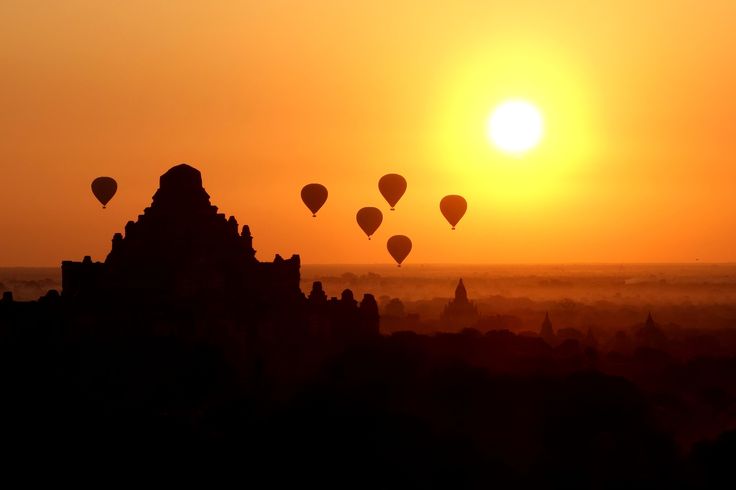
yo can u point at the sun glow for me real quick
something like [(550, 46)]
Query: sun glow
[(515, 127)]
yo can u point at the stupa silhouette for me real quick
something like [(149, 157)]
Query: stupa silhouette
[(460, 312)]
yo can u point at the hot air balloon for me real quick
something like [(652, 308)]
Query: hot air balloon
[(104, 188), (369, 219), (392, 187), (453, 208), (399, 247), (314, 196)]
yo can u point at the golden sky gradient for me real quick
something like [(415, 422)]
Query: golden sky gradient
[(638, 162)]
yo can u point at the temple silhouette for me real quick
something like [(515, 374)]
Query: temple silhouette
[(546, 331), (460, 312), (181, 253), (181, 247)]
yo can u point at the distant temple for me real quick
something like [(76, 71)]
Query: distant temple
[(181, 251), (546, 332), (650, 334), (343, 320), (459, 312)]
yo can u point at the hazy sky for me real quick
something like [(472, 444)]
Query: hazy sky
[(638, 162)]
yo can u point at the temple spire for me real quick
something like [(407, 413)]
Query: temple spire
[(461, 294), (650, 321), (546, 332)]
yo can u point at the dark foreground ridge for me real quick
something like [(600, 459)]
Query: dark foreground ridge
[(182, 352)]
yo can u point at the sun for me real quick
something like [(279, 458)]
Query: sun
[(515, 127)]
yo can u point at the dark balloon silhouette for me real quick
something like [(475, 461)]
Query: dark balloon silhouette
[(399, 247), (453, 208), (104, 189), (369, 219), (314, 196), (392, 187)]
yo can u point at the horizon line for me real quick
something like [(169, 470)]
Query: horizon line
[(457, 264)]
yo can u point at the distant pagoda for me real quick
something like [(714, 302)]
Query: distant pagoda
[(460, 312), (546, 331)]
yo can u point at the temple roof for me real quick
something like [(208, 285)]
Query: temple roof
[(181, 229)]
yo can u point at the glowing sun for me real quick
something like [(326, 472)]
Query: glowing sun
[(515, 127)]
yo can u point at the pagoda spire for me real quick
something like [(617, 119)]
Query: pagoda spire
[(461, 294), (650, 321), (546, 332)]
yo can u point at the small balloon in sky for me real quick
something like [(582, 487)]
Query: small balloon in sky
[(399, 247), (314, 196), (369, 219), (453, 208), (392, 187), (104, 189)]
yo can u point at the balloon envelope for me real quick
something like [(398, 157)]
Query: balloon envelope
[(369, 219), (104, 189), (399, 247), (392, 187), (453, 208), (314, 196)]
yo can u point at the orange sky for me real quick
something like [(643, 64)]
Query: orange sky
[(638, 162)]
